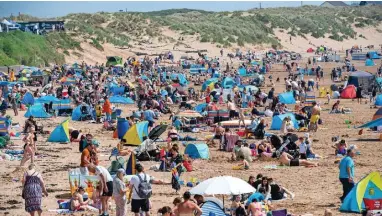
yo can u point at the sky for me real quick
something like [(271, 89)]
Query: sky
[(45, 9)]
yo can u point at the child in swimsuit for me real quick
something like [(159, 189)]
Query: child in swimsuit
[(96, 197), (75, 202)]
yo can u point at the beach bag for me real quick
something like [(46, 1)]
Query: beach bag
[(144, 190)]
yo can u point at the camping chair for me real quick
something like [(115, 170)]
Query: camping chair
[(115, 165), (114, 152)]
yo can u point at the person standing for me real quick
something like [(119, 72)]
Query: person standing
[(85, 159), (346, 175), (359, 94), (119, 193), (140, 187), (33, 188), (107, 109), (106, 182)]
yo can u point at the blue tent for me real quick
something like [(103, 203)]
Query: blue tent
[(370, 124), (197, 151), (28, 99), (228, 83), (369, 62), (77, 114), (47, 99), (211, 208), (200, 107), (182, 79), (287, 98), (61, 133), (37, 111), (370, 187), (374, 55), (378, 100), (117, 90), (208, 82), (278, 120), (242, 72), (121, 100)]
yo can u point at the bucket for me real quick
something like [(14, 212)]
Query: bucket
[(122, 127)]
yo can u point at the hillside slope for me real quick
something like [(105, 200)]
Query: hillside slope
[(185, 29)]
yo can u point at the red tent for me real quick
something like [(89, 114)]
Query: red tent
[(310, 50), (349, 92)]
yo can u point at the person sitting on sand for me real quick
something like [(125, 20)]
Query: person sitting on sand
[(237, 208), (173, 134), (266, 186), (75, 135), (340, 147), (121, 150), (336, 107), (288, 160), (259, 131), (76, 204), (278, 192)]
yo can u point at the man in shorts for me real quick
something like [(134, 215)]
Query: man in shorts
[(288, 160), (106, 182), (140, 203)]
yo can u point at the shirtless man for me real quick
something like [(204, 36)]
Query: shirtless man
[(287, 160), (187, 207), (316, 110)]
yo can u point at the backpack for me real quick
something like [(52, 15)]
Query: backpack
[(144, 190)]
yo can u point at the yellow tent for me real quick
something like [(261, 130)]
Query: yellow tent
[(135, 134)]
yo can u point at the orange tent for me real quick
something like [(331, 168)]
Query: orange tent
[(349, 92)]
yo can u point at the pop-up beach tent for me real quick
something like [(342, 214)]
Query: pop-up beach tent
[(37, 111), (197, 151), (136, 133), (369, 187), (113, 60), (349, 92), (61, 133), (287, 98), (277, 121)]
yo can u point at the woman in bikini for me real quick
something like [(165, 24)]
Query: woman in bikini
[(28, 153), (255, 208)]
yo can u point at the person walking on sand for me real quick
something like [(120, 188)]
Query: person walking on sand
[(33, 188), (346, 174), (187, 207)]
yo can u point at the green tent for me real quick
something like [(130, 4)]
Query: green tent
[(113, 60)]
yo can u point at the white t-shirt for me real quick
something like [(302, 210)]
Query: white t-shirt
[(134, 181), (102, 170), (303, 148)]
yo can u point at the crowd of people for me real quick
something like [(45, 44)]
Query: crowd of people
[(161, 91)]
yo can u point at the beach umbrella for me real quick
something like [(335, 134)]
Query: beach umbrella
[(117, 99), (222, 185), (189, 113)]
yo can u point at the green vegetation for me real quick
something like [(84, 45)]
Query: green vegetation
[(27, 49), (224, 29)]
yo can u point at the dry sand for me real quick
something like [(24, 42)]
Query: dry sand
[(316, 189)]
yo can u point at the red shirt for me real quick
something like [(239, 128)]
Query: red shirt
[(208, 99)]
